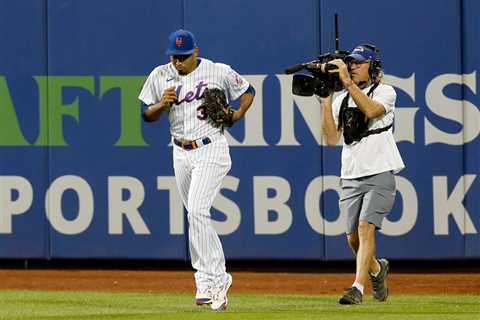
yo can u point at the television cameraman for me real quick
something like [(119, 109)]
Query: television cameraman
[(364, 114)]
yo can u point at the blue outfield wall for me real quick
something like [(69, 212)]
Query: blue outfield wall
[(81, 176)]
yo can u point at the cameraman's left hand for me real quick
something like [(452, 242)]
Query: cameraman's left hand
[(342, 72)]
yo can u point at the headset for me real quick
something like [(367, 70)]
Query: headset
[(375, 64)]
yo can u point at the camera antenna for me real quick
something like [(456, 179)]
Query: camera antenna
[(337, 37), (315, 65)]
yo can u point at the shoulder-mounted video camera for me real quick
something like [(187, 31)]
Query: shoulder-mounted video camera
[(320, 82)]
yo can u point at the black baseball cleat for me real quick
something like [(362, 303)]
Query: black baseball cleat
[(351, 296), (379, 283)]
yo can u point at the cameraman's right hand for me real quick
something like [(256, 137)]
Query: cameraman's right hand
[(342, 70)]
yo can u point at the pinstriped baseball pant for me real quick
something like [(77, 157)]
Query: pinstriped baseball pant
[(199, 174)]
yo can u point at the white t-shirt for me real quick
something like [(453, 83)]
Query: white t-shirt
[(187, 120), (375, 153)]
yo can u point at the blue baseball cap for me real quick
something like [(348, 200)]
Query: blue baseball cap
[(362, 53), (181, 42)]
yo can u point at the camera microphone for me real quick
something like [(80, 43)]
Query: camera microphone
[(295, 68)]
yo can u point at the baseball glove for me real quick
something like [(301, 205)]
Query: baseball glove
[(220, 114)]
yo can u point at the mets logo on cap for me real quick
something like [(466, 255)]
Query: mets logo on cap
[(178, 41)]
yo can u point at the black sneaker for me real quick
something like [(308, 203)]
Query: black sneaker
[(379, 283), (351, 296)]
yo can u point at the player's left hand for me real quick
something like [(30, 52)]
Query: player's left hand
[(221, 120), (220, 114)]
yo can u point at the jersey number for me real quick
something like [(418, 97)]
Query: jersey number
[(202, 113)]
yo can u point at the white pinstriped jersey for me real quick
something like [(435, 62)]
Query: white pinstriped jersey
[(187, 121)]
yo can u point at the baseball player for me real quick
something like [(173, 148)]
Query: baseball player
[(201, 157), (364, 113)]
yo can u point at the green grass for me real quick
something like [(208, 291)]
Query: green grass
[(87, 305)]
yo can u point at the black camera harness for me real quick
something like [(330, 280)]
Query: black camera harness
[(352, 121)]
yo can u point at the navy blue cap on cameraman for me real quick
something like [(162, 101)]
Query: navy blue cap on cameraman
[(362, 53), (181, 42)]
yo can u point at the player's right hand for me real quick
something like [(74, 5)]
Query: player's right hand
[(169, 97)]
